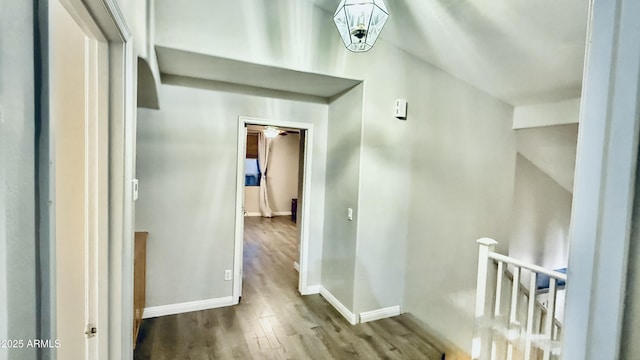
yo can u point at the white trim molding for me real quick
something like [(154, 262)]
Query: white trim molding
[(276, 213), (296, 266), (604, 189), (185, 307), (304, 218), (343, 310), (378, 314), (310, 290), (548, 114)]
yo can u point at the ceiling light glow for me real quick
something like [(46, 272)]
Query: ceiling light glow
[(271, 132)]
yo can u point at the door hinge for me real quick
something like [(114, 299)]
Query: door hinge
[(91, 330)]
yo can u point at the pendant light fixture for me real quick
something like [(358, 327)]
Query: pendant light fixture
[(360, 22)]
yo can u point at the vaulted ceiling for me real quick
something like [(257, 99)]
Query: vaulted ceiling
[(521, 51)]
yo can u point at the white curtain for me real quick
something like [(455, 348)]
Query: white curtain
[(264, 151)]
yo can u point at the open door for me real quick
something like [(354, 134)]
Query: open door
[(240, 211), (79, 101)]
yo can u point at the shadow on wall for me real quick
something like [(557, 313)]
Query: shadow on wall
[(540, 219)]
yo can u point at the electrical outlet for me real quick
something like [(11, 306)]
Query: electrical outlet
[(227, 275)]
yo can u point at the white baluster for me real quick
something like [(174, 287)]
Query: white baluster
[(499, 288), (513, 314), (496, 311), (548, 325), (540, 330), (481, 349), (530, 314)]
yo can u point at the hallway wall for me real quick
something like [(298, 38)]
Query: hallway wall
[(186, 164), (278, 28), (552, 149), (18, 295), (283, 172), (283, 176), (462, 178), (541, 212), (344, 140)]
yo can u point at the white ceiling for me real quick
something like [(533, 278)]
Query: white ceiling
[(521, 51)]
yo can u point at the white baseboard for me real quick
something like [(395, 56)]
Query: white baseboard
[(311, 290), (282, 213), (296, 266), (351, 317), (172, 309), (379, 314), (275, 213)]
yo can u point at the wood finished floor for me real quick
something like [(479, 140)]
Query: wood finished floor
[(274, 321)]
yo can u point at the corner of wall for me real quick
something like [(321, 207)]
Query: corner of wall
[(148, 82), (339, 306)]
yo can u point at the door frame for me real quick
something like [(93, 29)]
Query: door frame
[(106, 17), (85, 136), (305, 210)]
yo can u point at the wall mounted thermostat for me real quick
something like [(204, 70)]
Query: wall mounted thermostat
[(401, 109)]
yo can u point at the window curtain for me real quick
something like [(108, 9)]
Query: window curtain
[(264, 151)]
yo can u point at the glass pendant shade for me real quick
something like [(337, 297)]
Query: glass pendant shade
[(360, 22)]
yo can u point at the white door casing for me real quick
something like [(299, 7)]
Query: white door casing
[(243, 121), (237, 262), (79, 153), (98, 277)]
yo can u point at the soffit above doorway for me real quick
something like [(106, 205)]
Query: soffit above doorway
[(202, 66)]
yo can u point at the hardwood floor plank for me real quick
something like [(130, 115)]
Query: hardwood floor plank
[(273, 321)]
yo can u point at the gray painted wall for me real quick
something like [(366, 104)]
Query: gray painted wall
[(540, 220), (4, 306), (17, 201), (553, 150), (341, 192), (186, 164), (542, 199), (463, 167)]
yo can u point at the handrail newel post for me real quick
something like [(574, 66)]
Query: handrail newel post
[(481, 341)]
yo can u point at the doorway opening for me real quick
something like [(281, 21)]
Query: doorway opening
[(287, 207)]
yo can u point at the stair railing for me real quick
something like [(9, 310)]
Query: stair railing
[(531, 335)]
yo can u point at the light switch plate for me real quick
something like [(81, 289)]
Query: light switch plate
[(401, 109), (134, 189), (349, 214)]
